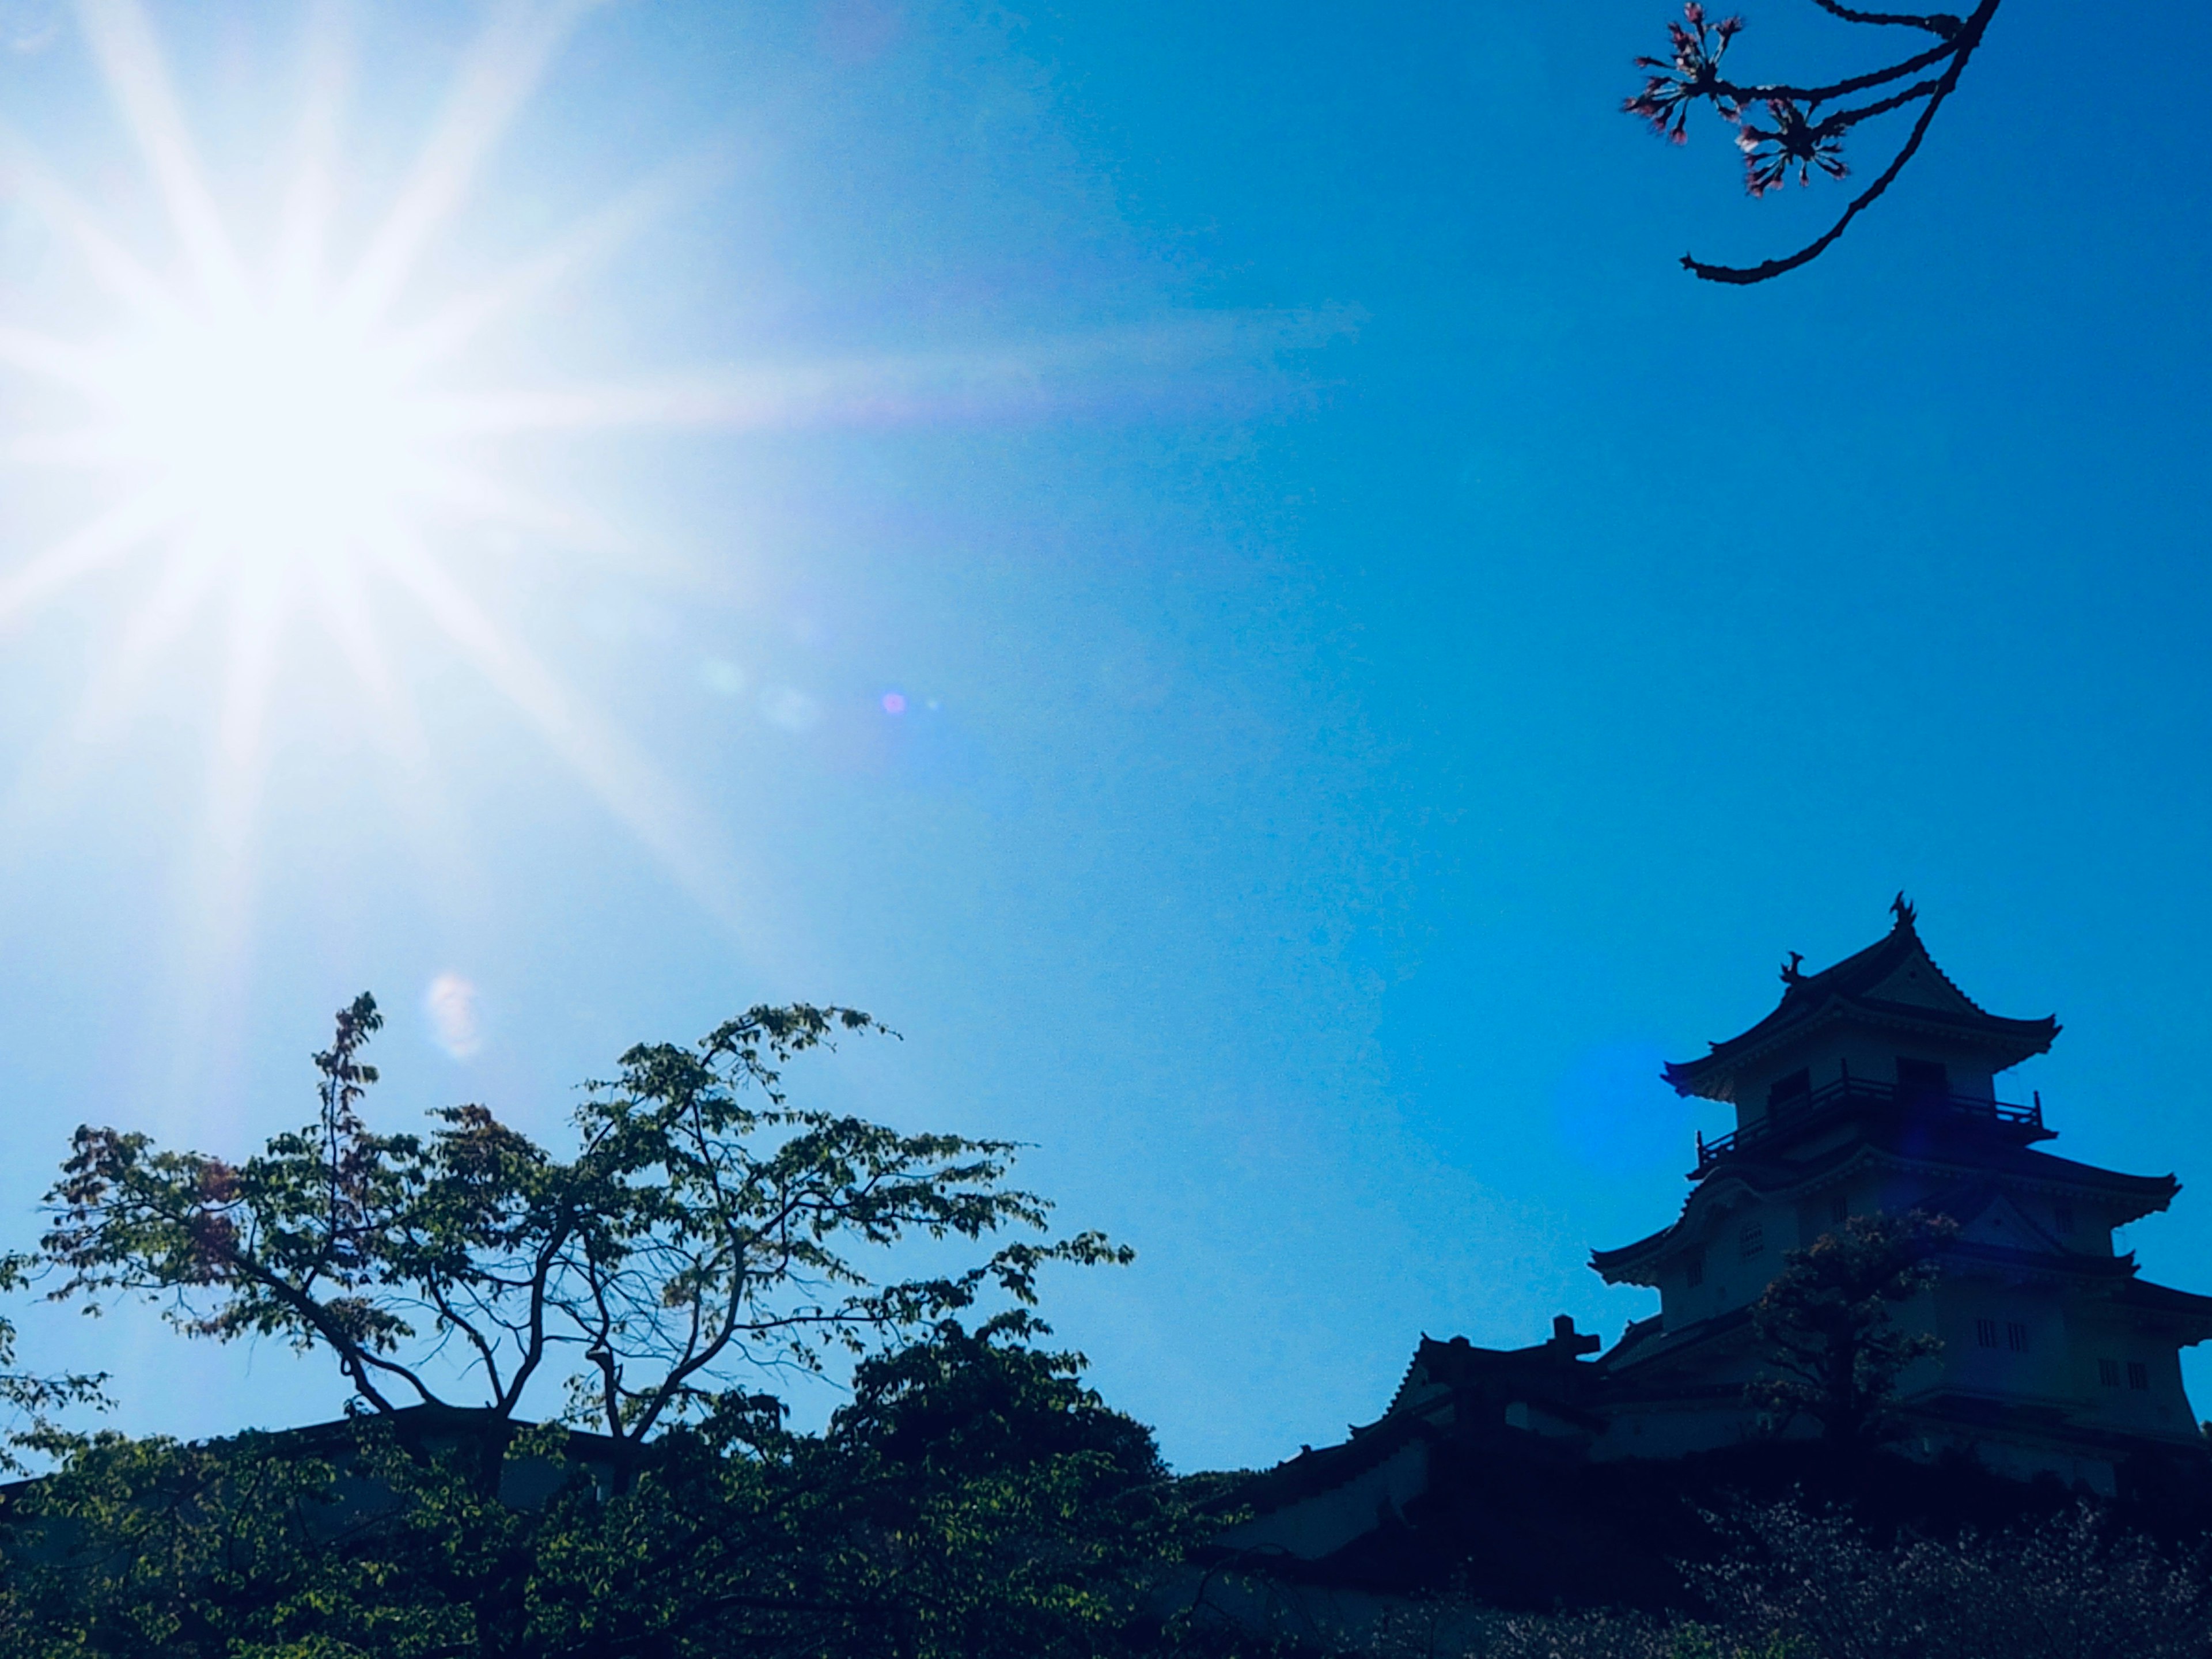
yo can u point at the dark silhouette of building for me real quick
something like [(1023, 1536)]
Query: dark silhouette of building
[(1872, 1087)]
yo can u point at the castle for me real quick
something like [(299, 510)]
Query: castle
[(1871, 1088)]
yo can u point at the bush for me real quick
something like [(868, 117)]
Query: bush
[(2067, 1588), (1798, 1583)]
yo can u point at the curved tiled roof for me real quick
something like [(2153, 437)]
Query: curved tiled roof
[(2164, 1299), (1847, 989), (2017, 1164)]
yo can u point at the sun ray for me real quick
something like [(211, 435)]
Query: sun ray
[(214, 942), (627, 785), (117, 273), (593, 240), (46, 784), (108, 539), (395, 726), (341, 601), (1012, 377), (235, 775), (485, 498), (271, 444), (505, 68), (61, 362), (122, 42), (185, 581), (417, 797), (304, 223)]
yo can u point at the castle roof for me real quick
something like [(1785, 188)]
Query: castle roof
[(1448, 1388), (2133, 1196), (2140, 1294), (1893, 982)]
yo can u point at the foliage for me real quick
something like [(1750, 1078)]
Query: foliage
[(702, 1227), (1628, 1636), (1807, 123), (159, 1548), (2068, 1589), (1796, 1583), (994, 1505), (30, 1399), (1826, 1326), (974, 1498)]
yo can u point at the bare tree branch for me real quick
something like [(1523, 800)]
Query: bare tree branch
[(1937, 23), (1797, 141), (1813, 249)]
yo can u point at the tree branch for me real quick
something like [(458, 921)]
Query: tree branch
[(1767, 268), (1796, 140), (1968, 38), (1935, 22), (1835, 89)]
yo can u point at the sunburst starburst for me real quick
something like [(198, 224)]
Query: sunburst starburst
[(279, 440), (283, 433)]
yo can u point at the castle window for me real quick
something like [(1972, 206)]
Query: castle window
[(1789, 1092), (2062, 1216), (1697, 1268), (2015, 1336), (2108, 1373), (1840, 1208), (1751, 1240), (1985, 1333), (2138, 1373)]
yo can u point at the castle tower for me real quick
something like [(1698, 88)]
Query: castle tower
[(1872, 1087)]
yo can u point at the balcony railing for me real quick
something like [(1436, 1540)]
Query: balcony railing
[(1846, 1092)]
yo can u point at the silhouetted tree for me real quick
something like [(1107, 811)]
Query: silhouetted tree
[(1805, 1585), (1825, 1327), (973, 1500), (1786, 126), (2070, 1587), (703, 1227)]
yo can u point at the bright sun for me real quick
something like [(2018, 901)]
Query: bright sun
[(271, 434), (275, 444)]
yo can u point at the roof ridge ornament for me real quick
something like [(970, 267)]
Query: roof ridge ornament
[(1902, 910), (1790, 973)]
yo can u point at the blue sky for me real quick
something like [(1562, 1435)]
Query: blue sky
[(1381, 658)]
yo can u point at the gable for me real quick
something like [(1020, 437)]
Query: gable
[(1916, 982), (2001, 1222)]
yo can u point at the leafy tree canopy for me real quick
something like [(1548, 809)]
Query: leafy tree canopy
[(973, 1499), (974, 1496), (702, 1227), (1827, 1326)]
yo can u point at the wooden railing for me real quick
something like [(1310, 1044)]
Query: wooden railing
[(1849, 1092)]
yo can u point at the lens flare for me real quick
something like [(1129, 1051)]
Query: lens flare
[(450, 1003)]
